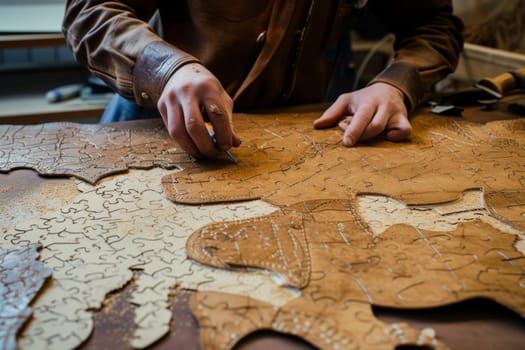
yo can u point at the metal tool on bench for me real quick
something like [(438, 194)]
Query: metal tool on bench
[(503, 83), (487, 91), (209, 127)]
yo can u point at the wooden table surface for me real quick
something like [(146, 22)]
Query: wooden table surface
[(475, 324)]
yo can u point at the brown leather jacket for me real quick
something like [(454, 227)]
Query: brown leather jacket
[(264, 52)]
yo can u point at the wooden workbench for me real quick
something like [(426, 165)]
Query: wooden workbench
[(477, 324), (472, 324), (22, 91)]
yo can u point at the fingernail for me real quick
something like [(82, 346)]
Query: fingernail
[(343, 124), (347, 141)]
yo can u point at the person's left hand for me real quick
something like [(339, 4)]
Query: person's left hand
[(364, 114)]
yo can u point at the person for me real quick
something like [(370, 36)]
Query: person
[(197, 61)]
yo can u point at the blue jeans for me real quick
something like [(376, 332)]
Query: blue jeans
[(119, 109)]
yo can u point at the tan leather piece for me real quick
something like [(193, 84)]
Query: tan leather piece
[(350, 268), (88, 152), (281, 247), (283, 160), (223, 324), (275, 150), (404, 267), (498, 205), (210, 307)]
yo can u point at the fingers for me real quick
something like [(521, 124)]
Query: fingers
[(362, 126), (192, 97), (397, 129), (378, 109), (186, 124), (333, 114), (173, 117), (196, 129), (221, 119)]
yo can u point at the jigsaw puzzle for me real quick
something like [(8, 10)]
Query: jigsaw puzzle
[(122, 224), (21, 277), (323, 248), (88, 152), (320, 214), (445, 158)]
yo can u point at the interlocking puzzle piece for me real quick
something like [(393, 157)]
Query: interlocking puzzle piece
[(88, 152), (280, 247), (444, 158), (272, 159), (225, 319), (514, 214), (21, 278), (122, 224), (404, 267)]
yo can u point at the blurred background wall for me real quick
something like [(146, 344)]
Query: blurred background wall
[(494, 23)]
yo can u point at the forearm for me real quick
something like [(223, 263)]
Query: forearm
[(428, 44), (115, 42)]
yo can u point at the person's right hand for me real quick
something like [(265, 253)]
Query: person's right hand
[(192, 93)]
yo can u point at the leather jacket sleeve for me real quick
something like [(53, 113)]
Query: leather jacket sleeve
[(89, 25), (427, 46), (115, 41)]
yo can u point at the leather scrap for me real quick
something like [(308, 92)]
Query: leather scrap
[(21, 278), (273, 157), (88, 152), (281, 247), (405, 267), (284, 160), (222, 324), (350, 268)]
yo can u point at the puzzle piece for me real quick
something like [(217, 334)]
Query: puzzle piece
[(122, 224), (126, 223), (498, 205), (281, 247), (225, 319), (88, 152), (21, 278), (404, 267), (444, 158), (270, 161)]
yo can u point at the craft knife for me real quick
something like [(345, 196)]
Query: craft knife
[(214, 140)]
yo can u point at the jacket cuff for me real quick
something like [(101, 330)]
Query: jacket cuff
[(406, 78), (154, 66)]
